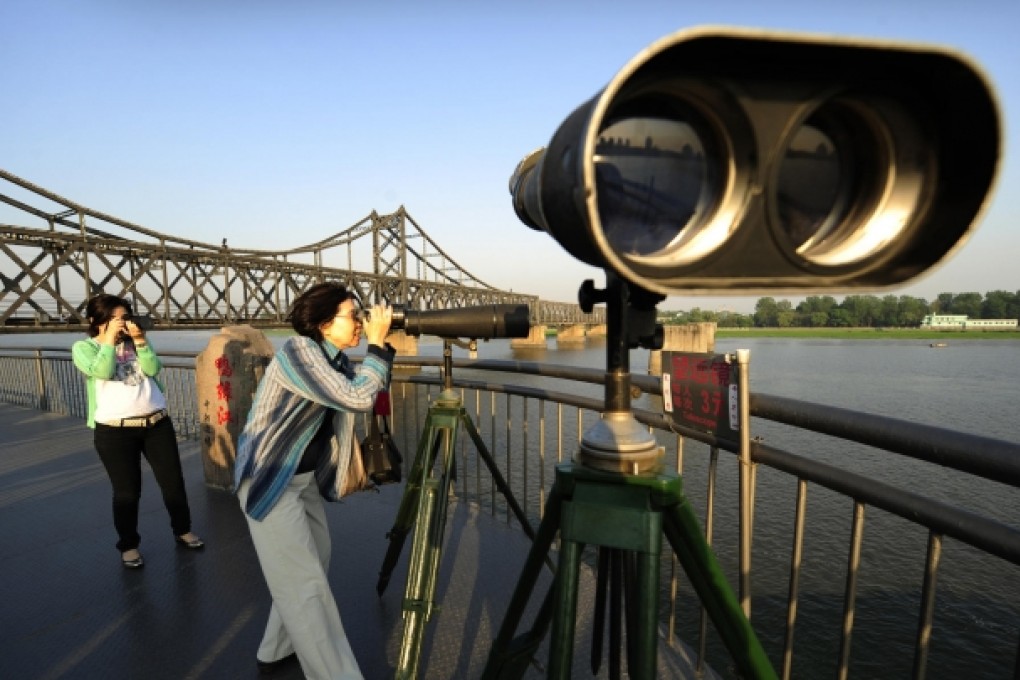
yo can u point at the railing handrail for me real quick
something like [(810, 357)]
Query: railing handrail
[(987, 457), (984, 533)]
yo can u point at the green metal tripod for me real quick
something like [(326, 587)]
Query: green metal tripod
[(423, 507), (619, 497), (628, 513)]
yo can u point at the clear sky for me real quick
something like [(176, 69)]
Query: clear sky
[(276, 123)]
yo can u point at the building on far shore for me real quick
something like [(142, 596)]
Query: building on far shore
[(961, 322)]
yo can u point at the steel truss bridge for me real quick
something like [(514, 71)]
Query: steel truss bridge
[(65, 253)]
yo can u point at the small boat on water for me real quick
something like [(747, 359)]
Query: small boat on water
[(939, 344)]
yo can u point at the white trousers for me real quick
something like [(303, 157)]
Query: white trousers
[(293, 546)]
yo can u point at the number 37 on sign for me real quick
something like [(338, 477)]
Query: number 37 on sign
[(699, 391)]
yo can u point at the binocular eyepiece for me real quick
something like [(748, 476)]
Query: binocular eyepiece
[(399, 312), (482, 322)]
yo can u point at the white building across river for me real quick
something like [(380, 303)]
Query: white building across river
[(962, 322)]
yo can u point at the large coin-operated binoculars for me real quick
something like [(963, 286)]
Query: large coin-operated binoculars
[(729, 161)]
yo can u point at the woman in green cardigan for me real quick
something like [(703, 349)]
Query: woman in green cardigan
[(128, 411)]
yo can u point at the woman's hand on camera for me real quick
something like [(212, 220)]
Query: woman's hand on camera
[(112, 330), (136, 332), (377, 325)]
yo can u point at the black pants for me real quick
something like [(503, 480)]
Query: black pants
[(121, 450)]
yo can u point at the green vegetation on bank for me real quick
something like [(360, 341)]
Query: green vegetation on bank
[(855, 311), (866, 334), (828, 333)]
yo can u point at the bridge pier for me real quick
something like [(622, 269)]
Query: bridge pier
[(536, 338), (572, 335), (691, 337), (406, 345)]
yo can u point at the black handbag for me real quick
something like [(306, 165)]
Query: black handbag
[(381, 458)]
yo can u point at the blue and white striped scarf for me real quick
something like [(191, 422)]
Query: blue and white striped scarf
[(300, 387)]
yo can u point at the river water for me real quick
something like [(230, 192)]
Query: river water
[(971, 386)]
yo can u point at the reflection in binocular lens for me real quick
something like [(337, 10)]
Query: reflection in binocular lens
[(812, 189), (652, 180)]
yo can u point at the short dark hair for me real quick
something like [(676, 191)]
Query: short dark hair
[(316, 306), (99, 310)]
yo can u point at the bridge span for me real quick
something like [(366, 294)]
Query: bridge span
[(56, 253)]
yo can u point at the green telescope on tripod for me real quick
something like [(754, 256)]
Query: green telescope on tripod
[(732, 159), (479, 322)]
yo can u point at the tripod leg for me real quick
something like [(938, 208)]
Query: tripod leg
[(643, 647), (497, 476), (599, 617), (510, 657), (426, 553), (407, 512), (634, 595), (698, 561), (632, 582), (615, 629), (561, 643)]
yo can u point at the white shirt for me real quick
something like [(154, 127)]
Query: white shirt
[(130, 393)]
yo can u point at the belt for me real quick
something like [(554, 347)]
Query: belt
[(139, 421)]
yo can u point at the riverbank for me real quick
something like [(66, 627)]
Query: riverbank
[(866, 334)]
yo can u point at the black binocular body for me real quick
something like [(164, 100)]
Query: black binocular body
[(481, 322)]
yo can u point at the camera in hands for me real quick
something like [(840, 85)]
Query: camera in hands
[(144, 322)]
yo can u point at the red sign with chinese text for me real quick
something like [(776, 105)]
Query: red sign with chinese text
[(700, 392)]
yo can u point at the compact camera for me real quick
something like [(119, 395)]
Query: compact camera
[(144, 322)]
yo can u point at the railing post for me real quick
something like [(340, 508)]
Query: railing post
[(746, 480), (42, 402)]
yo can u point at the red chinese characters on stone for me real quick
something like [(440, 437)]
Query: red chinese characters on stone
[(224, 389), (223, 366)]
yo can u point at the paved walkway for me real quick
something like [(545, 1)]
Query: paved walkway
[(69, 610)]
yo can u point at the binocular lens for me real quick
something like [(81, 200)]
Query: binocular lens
[(846, 185), (396, 323), (654, 184), (814, 182)]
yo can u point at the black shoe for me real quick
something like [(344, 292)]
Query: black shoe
[(134, 563), (192, 544), (271, 667)]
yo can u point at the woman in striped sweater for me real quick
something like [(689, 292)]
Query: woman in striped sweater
[(293, 452)]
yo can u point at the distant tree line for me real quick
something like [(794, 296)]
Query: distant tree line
[(857, 311)]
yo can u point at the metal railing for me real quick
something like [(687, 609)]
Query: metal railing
[(536, 415)]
